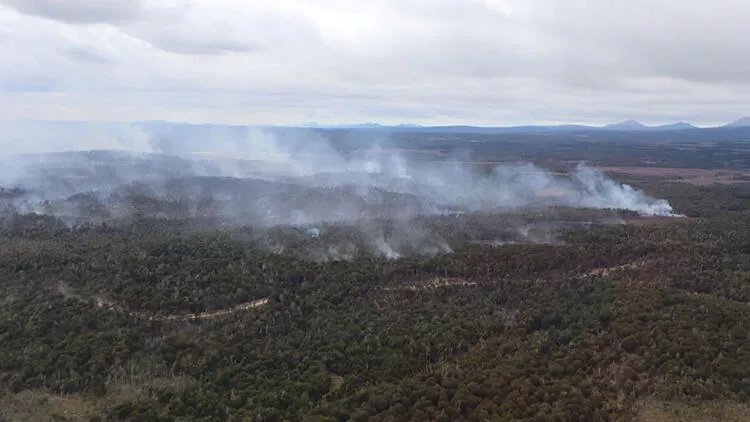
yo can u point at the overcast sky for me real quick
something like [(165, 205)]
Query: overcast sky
[(489, 62)]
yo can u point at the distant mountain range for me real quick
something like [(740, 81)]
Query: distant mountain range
[(626, 126), (168, 136), (634, 125), (743, 122)]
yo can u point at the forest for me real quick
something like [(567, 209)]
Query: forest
[(544, 314)]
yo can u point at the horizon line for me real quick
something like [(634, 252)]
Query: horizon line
[(635, 124)]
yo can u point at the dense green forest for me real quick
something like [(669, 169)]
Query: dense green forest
[(610, 316)]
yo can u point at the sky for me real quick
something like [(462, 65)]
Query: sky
[(481, 62)]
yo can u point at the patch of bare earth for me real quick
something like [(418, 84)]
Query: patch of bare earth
[(212, 314), (495, 243), (66, 291), (33, 405), (433, 283), (37, 405), (606, 271), (694, 176), (651, 220), (674, 411)]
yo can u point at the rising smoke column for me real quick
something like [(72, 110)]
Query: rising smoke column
[(599, 191), (304, 178)]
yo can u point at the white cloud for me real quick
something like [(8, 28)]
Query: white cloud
[(449, 61), (79, 11)]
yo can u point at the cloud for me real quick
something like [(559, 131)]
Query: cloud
[(192, 27), (84, 54), (474, 61), (79, 11), (182, 45), (26, 84)]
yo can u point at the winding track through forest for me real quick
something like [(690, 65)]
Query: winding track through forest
[(101, 302), (439, 282), (605, 271), (211, 314), (433, 283)]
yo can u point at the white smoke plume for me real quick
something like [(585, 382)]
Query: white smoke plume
[(268, 177)]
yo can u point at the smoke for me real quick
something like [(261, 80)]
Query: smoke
[(599, 191), (385, 248), (269, 177)]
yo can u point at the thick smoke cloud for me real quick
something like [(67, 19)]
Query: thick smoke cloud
[(296, 163), (267, 177)]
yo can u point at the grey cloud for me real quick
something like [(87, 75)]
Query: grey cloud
[(687, 39), (79, 11), (480, 61), (165, 31), (83, 54), (197, 28), (181, 44), (26, 84)]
